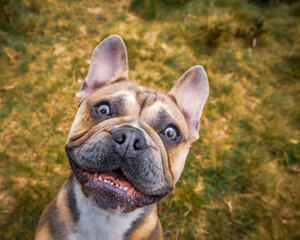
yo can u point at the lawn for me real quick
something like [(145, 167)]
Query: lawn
[(241, 178)]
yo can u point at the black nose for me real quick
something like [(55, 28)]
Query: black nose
[(129, 141)]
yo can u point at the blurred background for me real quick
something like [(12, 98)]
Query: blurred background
[(241, 179)]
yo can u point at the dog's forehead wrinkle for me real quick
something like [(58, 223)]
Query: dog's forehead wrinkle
[(146, 95)]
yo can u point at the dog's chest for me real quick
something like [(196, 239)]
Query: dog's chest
[(93, 227), (97, 224)]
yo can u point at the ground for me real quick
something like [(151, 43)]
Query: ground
[(241, 179)]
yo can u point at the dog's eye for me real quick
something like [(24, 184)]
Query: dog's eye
[(103, 110), (170, 133)]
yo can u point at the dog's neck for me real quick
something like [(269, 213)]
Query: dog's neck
[(95, 223)]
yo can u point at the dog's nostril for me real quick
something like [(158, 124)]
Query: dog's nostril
[(139, 144), (120, 137)]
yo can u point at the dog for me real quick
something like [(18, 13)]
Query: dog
[(126, 148)]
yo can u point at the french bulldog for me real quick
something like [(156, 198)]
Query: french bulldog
[(126, 148)]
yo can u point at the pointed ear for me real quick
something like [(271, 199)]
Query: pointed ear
[(108, 64), (190, 93)]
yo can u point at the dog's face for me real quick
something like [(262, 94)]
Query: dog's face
[(128, 144)]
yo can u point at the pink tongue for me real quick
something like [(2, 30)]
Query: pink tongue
[(113, 177)]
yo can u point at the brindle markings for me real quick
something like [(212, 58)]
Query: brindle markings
[(147, 226), (71, 199), (42, 233), (61, 216)]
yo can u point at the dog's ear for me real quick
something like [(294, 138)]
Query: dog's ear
[(108, 64), (190, 93)]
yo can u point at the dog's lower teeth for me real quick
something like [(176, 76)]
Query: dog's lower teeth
[(112, 183)]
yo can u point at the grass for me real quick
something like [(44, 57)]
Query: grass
[(241, 179)]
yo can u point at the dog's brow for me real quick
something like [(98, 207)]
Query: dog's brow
[(162, 113), (120, 99)]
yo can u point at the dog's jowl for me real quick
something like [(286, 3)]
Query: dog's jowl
[(126, 148)]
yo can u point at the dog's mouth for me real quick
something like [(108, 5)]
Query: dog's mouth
[(112, 190), (114, 180)]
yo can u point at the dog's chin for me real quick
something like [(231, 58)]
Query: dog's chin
[(112, 191)]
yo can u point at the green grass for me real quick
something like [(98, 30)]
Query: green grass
[(241, 179)]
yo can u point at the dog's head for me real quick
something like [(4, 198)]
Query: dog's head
[(128, 144)]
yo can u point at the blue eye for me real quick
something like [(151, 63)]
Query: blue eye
[(103, 110), (170, 133)]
